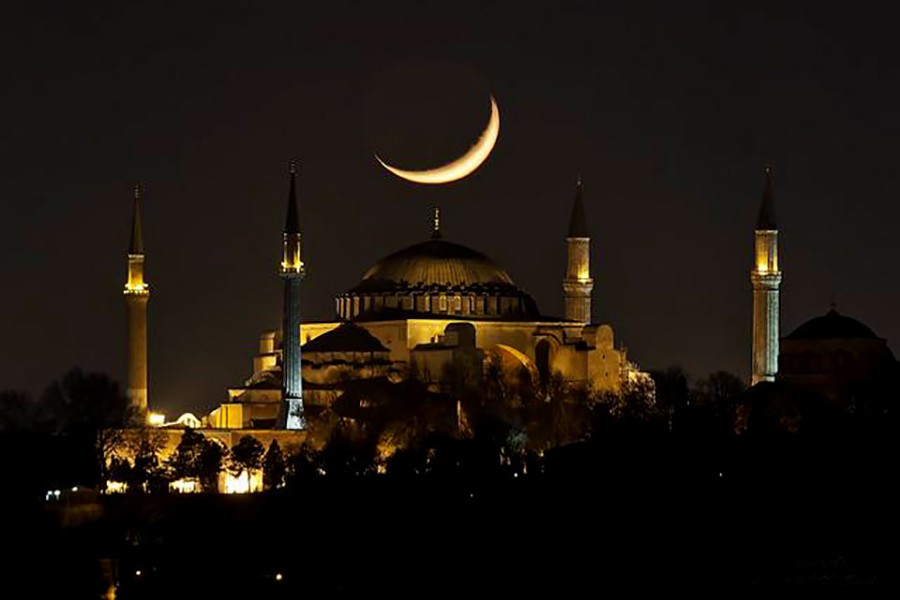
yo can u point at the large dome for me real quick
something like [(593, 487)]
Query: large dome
[(832, 326), (435, 263), (436, 277)]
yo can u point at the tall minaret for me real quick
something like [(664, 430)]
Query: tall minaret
[(292, 271), (137, 293), (766, 277), (578, 283)]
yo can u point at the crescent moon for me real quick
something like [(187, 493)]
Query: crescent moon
[(462, 166)]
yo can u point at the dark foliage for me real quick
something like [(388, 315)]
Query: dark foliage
[(274, 466)]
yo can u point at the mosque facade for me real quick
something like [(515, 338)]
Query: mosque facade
[(436, 311)]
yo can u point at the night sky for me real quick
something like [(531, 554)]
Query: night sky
[(668, 111)]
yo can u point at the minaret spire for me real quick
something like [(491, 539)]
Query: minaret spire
[(137, 294), (136, 246), (578, 285), (292, 219), (766, 280), (766, 219), (292, 272)]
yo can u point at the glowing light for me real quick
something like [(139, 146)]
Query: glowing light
[(295, 267), (462, 166), (189, 420), (116, 487), (156, 419), (237, 485), (244, 483), (137, 573), (136, 288), (185, 486), (278, 577)]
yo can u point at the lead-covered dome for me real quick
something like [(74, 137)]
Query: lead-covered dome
[(436, 277), (434, 263), (832, 326)]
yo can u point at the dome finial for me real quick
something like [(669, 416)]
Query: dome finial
[(435, 222)]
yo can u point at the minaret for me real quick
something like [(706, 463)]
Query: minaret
[(137, 293), (766, 278), (292, 271), (578, 283)]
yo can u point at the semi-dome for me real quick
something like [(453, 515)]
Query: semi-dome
[(832, 326), (436, 277)]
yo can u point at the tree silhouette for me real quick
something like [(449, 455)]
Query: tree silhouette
[(246, 456), (212, 459), (274, 466), (18, 413), (147, 473), (91, 412), (197, 457)]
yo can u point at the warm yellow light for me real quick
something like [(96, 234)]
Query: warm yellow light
[(156, 419), (278, 577), (295, 267), (462, 166), (185, 486), (116, 487), (237, 485), (245, 483)]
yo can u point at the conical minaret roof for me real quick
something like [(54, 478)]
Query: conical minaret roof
[(292, 220), (136, 245), (766, 220), (578, 222)]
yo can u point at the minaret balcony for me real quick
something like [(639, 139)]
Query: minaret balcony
[(291, 271), (141, 289)]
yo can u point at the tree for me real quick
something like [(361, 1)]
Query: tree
[(212, 458), (146, 473), (301, 465), (672, 395), (119, 469), (718, 395), (347, 455), (634, 403), (246, 456), (197, 457), (90, 411), (274, 466), (18, 413)]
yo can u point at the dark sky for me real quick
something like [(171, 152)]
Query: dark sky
[(668, 110)]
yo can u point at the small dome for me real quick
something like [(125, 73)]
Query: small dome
[(832, 326), (435, 263), (346, 337)]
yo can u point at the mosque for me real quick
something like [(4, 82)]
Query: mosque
[(831, 362), (434, 311), (437, 312)]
